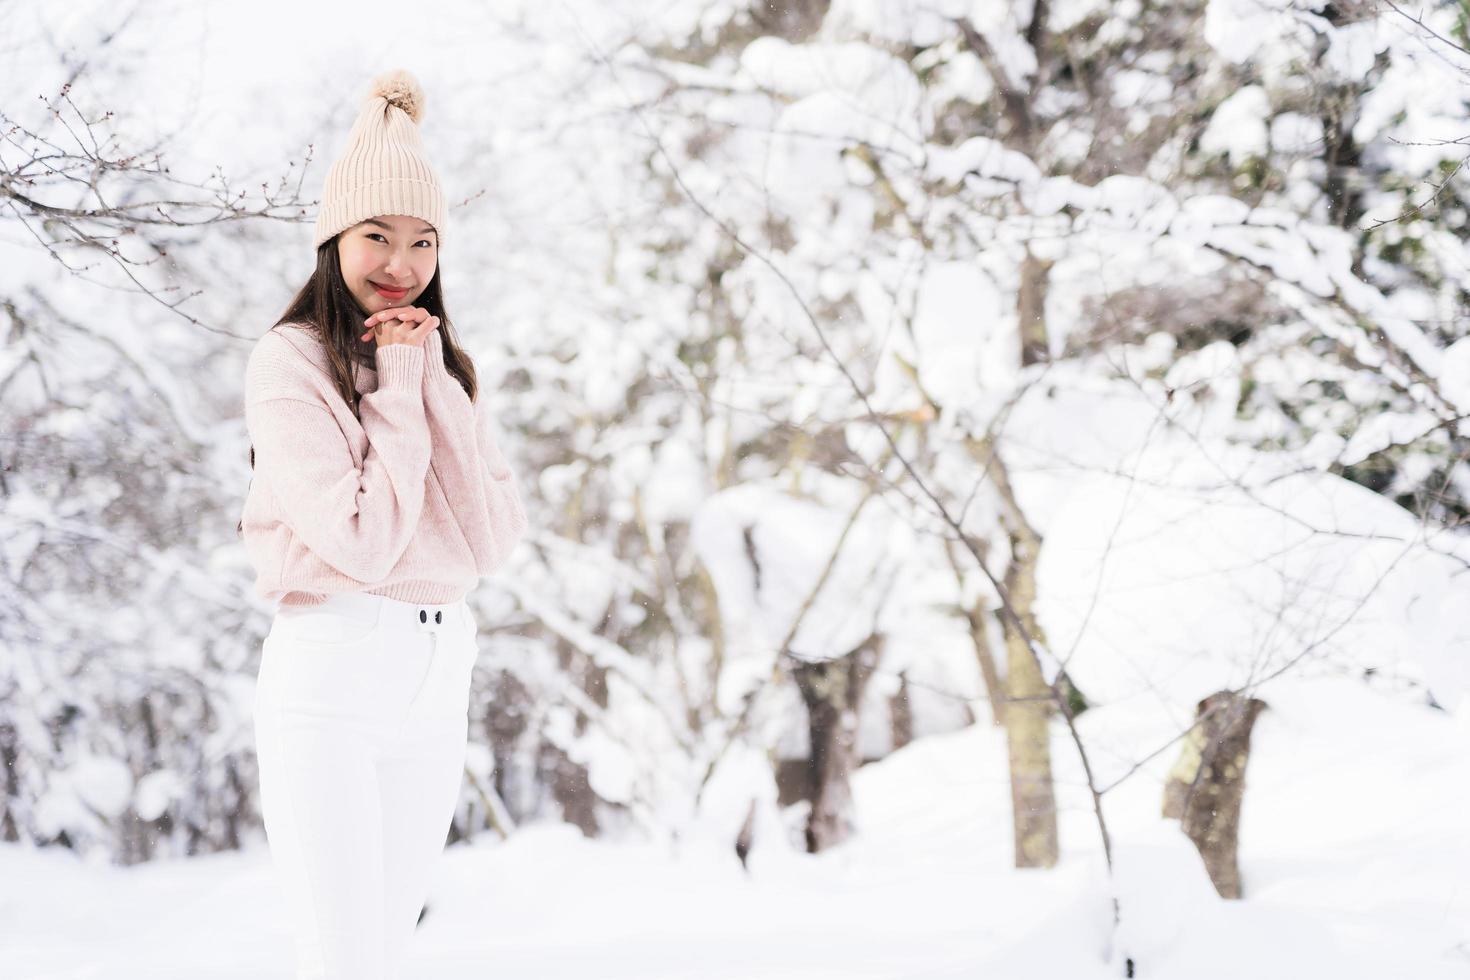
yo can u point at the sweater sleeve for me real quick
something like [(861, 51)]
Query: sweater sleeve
[(502, 491), (357, 519), (481, 487)]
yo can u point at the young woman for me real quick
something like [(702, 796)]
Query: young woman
[(379, 499)]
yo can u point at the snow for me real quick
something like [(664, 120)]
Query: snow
[(1264, 30), (1352, 859), (1354, 46), (1176, 559), (921, 22), (983, 157), (961, 77), (1140, 88), (1238, 125), (1294, 133), (1300, 569), (963, 333), (840, 89), (1456, 374), (767, 552), (1380, 431)]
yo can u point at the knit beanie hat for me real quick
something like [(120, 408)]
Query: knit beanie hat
[(382, 170)]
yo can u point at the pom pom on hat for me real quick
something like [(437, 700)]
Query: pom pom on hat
[(400, 88)]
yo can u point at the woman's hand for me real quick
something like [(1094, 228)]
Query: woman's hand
[(400, 325)]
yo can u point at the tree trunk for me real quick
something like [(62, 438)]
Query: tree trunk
[(1031, 310), (901, 714), (1029, 704), (975, 616), (833, 692), (1207, 784), (1028, 713), (9, 759)]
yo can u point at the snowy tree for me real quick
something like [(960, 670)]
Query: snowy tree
[(120, 706), (991, 227), (873, 368)]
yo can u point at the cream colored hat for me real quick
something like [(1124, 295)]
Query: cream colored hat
[(383, 170)]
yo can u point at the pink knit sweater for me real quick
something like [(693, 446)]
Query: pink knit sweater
[(414, 502)]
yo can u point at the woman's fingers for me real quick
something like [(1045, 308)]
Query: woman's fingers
[(414, 321), (417, 313), (383, 316)]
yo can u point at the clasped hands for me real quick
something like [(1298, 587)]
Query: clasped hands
[(400, 325)]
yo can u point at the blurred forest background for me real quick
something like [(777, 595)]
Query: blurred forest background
[(872, 369)]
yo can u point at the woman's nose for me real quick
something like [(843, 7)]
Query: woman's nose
[(397, 264)]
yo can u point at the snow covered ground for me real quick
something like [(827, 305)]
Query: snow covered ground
[(1353, 843), (1354, 860)]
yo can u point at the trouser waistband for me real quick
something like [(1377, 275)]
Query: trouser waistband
[(383, 611)]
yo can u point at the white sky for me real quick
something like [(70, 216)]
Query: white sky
[(250, 81)]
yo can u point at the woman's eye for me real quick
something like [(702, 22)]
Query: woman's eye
[(423, 241), (373, 234)]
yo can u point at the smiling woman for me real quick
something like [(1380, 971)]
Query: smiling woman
[(380, 500), (388, 260)]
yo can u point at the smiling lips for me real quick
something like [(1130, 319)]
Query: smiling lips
[(388, 293)]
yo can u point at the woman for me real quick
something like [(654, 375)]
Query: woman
[(379, 498)]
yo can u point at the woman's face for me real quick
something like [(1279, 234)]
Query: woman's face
[(388, 260)]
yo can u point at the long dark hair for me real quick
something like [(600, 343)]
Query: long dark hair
[(325, 304)]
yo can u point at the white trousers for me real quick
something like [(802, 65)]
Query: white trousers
[(361, 725)]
